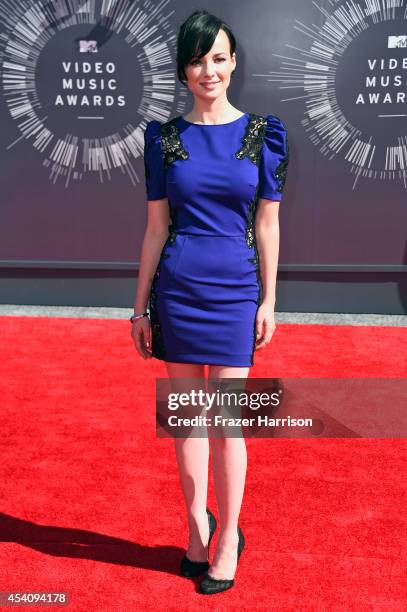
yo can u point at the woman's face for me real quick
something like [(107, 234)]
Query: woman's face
[(209, 77)]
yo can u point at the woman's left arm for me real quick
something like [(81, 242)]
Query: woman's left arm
[(267, 230)]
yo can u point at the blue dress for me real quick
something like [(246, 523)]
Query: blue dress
[(207, 286)]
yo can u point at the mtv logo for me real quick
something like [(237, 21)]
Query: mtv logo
[(397, 42), (88, 46)]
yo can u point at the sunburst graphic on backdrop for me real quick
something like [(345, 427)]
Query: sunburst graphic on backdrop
[(352, 78), (81, 79)]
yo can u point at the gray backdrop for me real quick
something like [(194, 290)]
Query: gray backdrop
[(72, 175)]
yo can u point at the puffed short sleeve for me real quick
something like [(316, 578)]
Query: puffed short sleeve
[(274, 160), (153, 162)]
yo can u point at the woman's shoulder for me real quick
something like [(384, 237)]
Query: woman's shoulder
[(155, 133), (155, 127), (274, 122), (152, 133)]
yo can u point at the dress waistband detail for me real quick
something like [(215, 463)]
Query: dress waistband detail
[(185, 233)]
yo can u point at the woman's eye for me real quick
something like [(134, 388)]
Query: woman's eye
[(220, 59)]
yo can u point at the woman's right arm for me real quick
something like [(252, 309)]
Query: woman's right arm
[(156, 233)]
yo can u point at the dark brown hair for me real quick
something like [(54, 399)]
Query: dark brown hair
[(196, 37)]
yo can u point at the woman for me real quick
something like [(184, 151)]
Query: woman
[(214, 180)]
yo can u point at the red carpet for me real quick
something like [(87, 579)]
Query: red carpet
[(91, 503)]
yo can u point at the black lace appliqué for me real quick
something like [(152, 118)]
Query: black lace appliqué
[(157, 341), (256, 261), (171, 143), (172, 229), (252, 144), (252, 140), (281, 170), (250, 235), (158, 348), (251, 242)]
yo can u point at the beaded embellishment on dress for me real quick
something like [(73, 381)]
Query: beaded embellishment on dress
[(171, 143), (251, 243), (281, 170), (158, 348), (250, 236), (252, 141)]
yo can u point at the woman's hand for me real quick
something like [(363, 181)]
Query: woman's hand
[(140, 332), (265, 325)]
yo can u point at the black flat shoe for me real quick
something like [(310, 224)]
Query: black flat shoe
[(209, 585), (191, 569)]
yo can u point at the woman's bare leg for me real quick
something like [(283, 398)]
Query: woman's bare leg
[(229, 464), (192, 458)]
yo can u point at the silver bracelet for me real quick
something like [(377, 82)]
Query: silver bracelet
[(134, 317)]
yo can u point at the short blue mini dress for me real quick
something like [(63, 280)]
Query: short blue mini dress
[(207, 285)]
